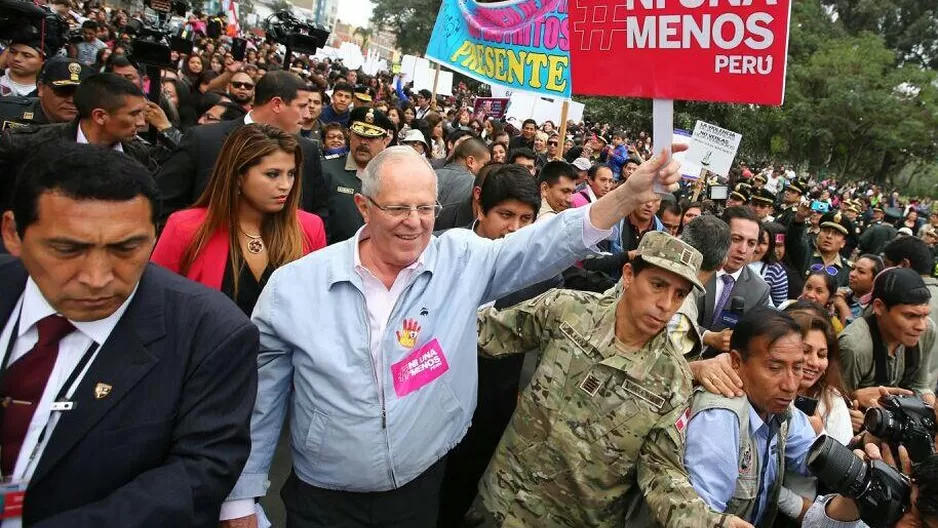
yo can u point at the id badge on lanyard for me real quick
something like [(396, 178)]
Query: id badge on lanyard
[(12, 494), (13, 491)]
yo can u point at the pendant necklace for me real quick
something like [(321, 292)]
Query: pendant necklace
[(255, 244)]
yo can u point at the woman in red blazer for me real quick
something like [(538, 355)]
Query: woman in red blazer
[(247, 223)]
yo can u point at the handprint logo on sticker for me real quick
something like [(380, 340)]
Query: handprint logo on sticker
[(408, 336)]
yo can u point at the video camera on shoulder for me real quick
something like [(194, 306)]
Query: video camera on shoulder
[(23, 19), (299, 37), (905, 420), (154, 39)]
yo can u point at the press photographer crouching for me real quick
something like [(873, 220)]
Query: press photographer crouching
[(870, 490)]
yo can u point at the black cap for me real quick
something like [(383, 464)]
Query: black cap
[(900, 286), (893, 212), (370, 123), (363, 92), (741, 192), (59, 72), (799, 186), (838, 221), (764, 197), (759, 177)]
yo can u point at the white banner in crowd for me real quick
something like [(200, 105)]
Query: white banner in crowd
[(526, 106), (421, 72), (712, 148), (423, 79)]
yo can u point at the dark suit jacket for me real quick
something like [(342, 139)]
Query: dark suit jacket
[(168, 443), (751, 287), (455, 215), (186, 172), (17, 144)]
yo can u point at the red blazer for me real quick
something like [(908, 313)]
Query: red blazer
[(208, 268)]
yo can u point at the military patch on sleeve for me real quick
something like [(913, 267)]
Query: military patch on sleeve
[(681, 423), (345, 190)]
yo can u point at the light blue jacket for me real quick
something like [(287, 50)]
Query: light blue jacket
[(315, 339)]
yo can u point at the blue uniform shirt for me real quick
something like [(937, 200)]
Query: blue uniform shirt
[(712, 454)]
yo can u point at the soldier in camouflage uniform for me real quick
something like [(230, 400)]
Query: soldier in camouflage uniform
[(602, 421)]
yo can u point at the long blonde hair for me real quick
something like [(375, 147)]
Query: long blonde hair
[(244, 148)]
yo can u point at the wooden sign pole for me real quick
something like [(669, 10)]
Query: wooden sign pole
[(563, 129)]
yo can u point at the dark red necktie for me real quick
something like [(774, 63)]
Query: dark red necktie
[(25, 380)]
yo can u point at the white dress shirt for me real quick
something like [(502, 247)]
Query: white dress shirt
[(31, 308), (380, 300), (82, 140)]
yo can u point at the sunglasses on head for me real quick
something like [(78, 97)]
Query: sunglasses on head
[(242, 85), (830, 270)]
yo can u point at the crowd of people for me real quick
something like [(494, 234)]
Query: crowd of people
[(292, 246)]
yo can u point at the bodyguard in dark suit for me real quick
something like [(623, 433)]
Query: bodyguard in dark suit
[(281, 99), (158, 373), (110, 109), (735, 279)]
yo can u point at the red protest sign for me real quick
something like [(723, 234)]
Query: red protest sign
[(731, 51)]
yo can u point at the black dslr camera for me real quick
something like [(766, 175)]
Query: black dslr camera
[(24, 19), (154, 39), (905, 420), (881, 492)]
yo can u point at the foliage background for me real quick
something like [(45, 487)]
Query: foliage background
[(861, 98)]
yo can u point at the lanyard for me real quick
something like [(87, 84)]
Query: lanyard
[(61, 401)]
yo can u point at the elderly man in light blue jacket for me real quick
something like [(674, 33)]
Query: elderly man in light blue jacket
[(371, 344)]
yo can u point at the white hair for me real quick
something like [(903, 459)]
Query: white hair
[(371, 177)]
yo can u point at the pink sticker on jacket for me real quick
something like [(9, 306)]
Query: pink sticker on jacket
[(424, 365)]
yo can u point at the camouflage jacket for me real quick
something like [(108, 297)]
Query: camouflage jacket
[(597, 426)]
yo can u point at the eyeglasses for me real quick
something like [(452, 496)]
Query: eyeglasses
[(830, 270), (552, 143), (403, 211), (242, 85)]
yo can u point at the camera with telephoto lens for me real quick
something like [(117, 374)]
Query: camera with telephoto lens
[(154, 39), (880, 491), (22, 19), (300, 37), (905, 420)]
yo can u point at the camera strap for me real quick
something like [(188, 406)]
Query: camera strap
[(880, 354)]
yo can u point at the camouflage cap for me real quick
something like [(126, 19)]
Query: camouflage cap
[(666, 252)]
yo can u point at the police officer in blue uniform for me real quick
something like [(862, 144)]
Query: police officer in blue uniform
[(55, 87)]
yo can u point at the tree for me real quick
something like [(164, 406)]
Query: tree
[(411, 21), (910, 27)]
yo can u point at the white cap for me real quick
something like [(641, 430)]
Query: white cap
[(582, 164), (415, 136)]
